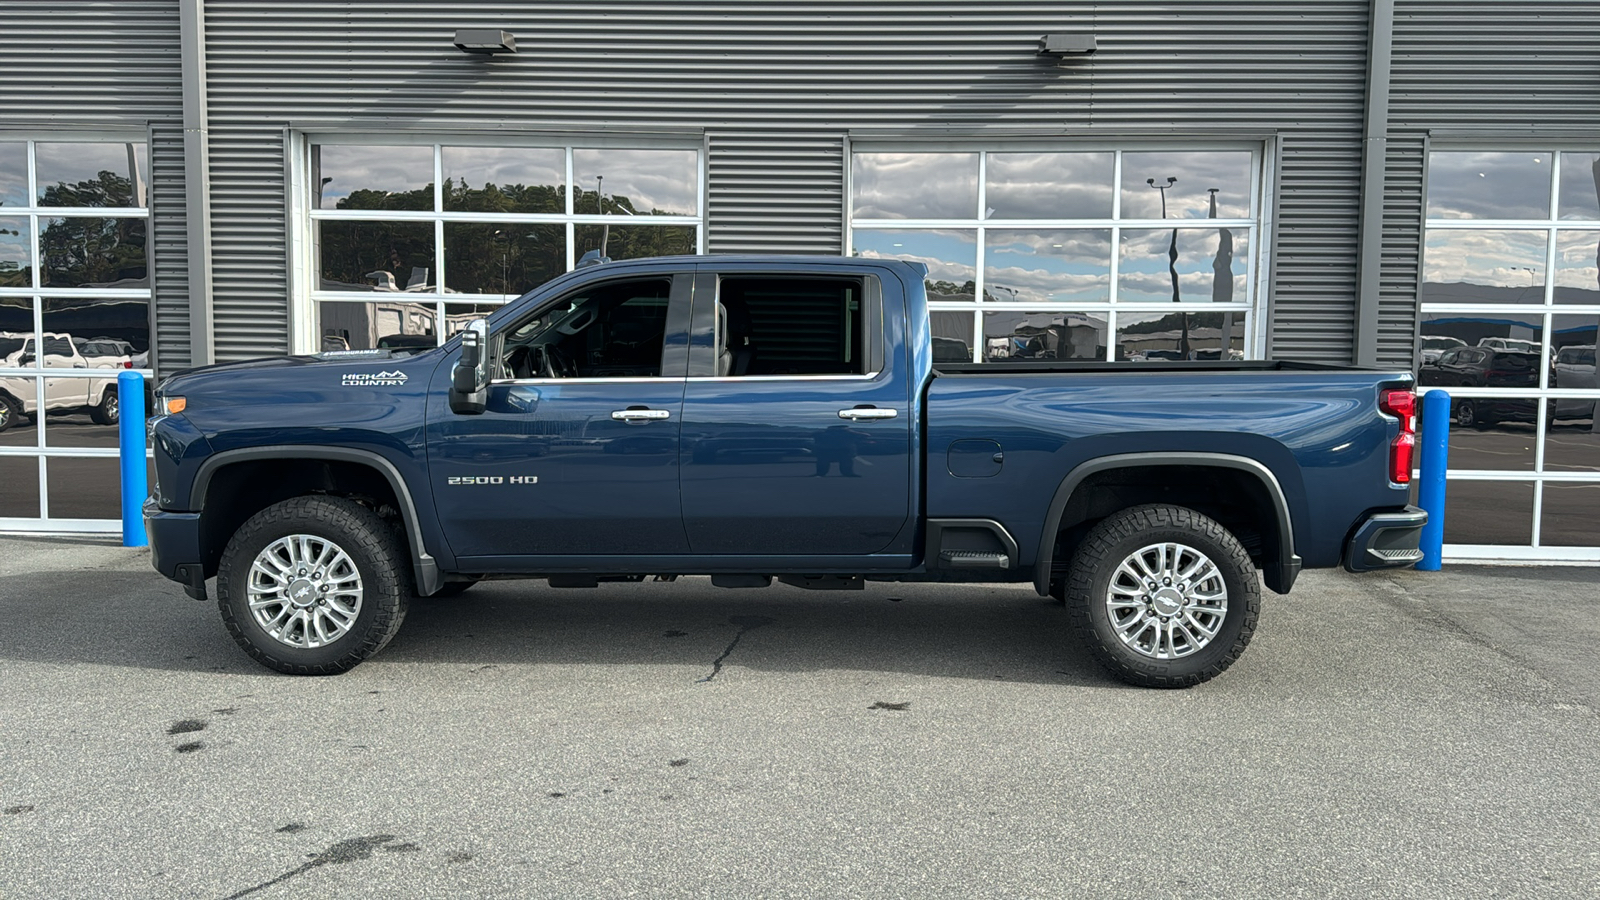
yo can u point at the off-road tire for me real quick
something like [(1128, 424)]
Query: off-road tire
[(1121, 535), (10, 412), (378, 555), (108, 411)]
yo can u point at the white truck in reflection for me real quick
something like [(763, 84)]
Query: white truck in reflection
[(97, 395)]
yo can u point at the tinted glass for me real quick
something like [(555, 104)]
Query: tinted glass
[(1049, 185), (19, 478), (1571, 443), (458, 315), (502, 179), (1577, 274), (1013, 336), (951, 257), (389, 324), (793, 326), (84, 488), (614, 329), (502, 258), (635, 241), (1489, 185), (1580, 186), (13, 175), (1157, 337), (915, 185), (1210, 266), (1052, 266), (635, 182), (91, 174), (368, 177), (1518, 331), (92, 252), (1568, 517), (16, 252), (952, 336), (1471, 266), (375, 256), (107, 331), (1488, 512), (16, 324), (1493, 433), (1190, 195)]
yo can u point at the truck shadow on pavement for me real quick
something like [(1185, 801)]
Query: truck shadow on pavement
[(1001, 632)]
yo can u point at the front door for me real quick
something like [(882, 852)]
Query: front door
[(576, 453)]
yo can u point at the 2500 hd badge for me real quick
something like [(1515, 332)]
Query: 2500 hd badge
[(491, 479)]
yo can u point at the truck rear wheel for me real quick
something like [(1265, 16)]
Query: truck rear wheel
[(1163, 596), (313, 585)]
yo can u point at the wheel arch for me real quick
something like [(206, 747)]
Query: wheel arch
[(425, 567), (1280, 576)]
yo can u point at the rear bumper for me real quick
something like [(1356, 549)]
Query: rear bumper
[(175, 547), (1386, 540)]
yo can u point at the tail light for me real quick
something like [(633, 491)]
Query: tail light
[(1403, 406), (128, 364)]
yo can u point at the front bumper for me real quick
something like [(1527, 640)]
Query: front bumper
[(1386, 540), (175, 547)]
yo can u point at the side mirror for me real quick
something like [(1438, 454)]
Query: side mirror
[(469, 381), (26, 360)]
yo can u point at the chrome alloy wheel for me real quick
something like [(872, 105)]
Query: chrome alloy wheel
[(304, 591), (1167, 601)]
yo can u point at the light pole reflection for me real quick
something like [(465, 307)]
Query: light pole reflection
[(1172, 263)]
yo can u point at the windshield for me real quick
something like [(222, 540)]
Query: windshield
[(9, 346)]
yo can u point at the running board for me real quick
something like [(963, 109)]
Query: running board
[(974, 559)]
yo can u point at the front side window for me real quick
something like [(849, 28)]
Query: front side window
[(1071, 254), (611, 330), (441, 232)]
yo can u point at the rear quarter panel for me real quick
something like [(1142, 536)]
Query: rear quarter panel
[(1320, 433)]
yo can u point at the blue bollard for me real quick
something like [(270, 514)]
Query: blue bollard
[(1430, 483), (135, 475)]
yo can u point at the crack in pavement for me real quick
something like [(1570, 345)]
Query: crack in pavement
[(746, 624), (342, 852)]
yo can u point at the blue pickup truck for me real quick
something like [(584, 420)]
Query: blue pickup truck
[(754, 419)]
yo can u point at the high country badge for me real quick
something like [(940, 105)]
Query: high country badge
[(374, 379)]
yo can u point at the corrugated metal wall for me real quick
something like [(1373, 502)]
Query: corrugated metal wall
[(78, 65), (762, 77), (169, 237), (89, 63), (775, 192)]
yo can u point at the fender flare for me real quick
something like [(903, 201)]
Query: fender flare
[(424, 566), (1280, 580)]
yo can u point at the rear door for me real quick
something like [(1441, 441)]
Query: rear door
[(796, 419), (576, 453)]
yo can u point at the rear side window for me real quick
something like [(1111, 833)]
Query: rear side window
[(788, 325)]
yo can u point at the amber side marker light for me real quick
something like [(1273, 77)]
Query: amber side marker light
[(176, 405)]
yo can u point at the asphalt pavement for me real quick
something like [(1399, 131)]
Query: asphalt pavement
[(1389, 735)]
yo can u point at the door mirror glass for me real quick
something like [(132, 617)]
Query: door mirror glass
[(469, 380)]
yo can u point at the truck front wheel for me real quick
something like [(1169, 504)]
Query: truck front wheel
[(313, 585), (1163, 596)]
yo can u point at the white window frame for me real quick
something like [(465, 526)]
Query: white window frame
[(37, 293), (1545, 312), (303, 273), (1257, 227)]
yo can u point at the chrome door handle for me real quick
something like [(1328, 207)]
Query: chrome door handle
[(867, 412), (640, 415)]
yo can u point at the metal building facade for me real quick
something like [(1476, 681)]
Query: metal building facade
[(777, 95)]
